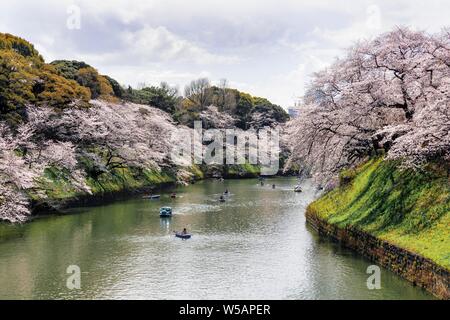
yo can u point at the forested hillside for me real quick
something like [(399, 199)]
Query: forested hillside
[(67, 131)]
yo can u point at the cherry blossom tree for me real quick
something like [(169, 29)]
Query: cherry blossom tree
[(391, 93), (111, 135), (213, 118), (14, 178)]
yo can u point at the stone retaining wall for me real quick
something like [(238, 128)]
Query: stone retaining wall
[(415, 268)]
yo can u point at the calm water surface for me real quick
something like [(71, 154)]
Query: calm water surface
[(254, 246)]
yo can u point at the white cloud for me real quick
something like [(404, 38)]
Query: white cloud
[(365, 26), (162, 45), (154, 75), (266, 47)]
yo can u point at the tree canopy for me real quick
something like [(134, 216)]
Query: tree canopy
[(163, 97), (390, 94), (26, 79), (86, 76), (247, 110)]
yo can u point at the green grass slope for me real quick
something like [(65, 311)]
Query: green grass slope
[(58, 187), (408, 209)]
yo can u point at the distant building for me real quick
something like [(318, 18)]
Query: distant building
[(294, 112)]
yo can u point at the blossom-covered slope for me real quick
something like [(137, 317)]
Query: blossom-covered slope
[(80, 143)]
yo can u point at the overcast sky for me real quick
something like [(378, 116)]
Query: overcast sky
[(267, 48)]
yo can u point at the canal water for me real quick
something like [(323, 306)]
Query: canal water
[(256, 245)]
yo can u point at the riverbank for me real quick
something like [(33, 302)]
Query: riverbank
[(117, 184), (124, 183), (398, 219)]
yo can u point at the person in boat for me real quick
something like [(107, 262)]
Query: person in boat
[(226, 191), (184, 231), (222, 199)]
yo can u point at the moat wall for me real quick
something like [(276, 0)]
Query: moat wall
[(414, 268)]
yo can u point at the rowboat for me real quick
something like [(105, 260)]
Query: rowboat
[(165, 212), (152, 196), (183, 235)]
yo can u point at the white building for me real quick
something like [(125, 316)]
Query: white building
[(294, 111)]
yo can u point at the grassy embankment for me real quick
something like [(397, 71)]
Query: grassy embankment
[(408, 209), (242, 171), (58, 187)]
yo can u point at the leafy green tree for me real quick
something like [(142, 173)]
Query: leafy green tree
[(26, 79), (119, 91), (9, 42), (99, 85), (243, 108), (163, 97), (199, 93), (223, 97), (86, 76), (57, 91), (69, 69), (264, 106)]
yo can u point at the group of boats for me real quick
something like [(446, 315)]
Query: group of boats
[(157, 196), (297, 188), (166, 212)]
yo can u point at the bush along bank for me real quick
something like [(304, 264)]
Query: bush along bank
[(399, 219)]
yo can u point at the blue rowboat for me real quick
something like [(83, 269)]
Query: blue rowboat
[(165, 212)]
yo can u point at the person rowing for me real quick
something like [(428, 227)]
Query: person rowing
[(183, 234)]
